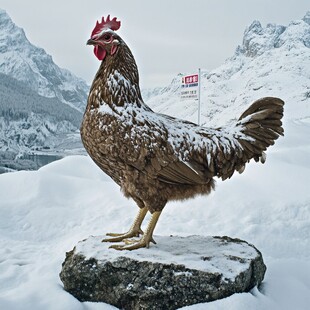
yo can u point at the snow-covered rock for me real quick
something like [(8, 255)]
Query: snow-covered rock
[(179, 272)]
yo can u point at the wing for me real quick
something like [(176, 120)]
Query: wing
[(189, 154), (168, 168), (185, 153), (180, 172)]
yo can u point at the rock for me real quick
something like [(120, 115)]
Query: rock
[(177, 272)]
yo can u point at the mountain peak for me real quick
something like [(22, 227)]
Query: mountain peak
[(11, 36), (257, 39), (39, 102), (4, 15), (6, 22), (255, 27), (306, 18), (273, 60), (30, 64)]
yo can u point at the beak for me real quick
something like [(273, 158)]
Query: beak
[(91, 42)]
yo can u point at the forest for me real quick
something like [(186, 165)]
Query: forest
[(17, 102)]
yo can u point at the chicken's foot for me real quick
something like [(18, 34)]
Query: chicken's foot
[(134, 231), (145, 240)]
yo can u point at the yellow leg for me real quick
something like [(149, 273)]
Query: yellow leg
[(146, 239), (134, 231)]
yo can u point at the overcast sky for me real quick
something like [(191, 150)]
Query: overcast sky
[(165, 36)]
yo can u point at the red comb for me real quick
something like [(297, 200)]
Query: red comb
[(112, 24)]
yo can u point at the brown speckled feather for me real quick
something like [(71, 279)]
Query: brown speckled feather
[(156, 158)]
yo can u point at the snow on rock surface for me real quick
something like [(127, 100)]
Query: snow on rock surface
[(208, 254), (179, 271)]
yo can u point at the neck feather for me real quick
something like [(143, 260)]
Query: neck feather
[(117, 81)]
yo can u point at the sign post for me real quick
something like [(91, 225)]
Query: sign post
[(191, 89), (199, 91)]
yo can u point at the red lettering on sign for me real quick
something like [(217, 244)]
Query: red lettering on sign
[(189, 79)]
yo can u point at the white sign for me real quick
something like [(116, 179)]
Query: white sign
[(190, 87)]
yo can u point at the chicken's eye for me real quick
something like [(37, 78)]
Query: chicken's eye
[(107, 37)]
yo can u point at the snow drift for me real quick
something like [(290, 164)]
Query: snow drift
[(45, 213)]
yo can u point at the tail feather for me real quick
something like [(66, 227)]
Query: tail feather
[(261, 122), (263, 104), (228, 149), (260, 125)]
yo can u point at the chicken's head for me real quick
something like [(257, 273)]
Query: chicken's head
[(104, 38)]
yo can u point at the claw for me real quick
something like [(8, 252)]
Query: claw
[(144, 242), (114, 234), (131, 245), (133, 241), (120, 237), (135, 231), (129, 241)]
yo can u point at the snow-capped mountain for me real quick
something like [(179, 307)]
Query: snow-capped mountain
[(40, 103), (28, 119), (271, 61), (32, 65)]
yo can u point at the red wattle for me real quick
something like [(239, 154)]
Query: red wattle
[(99, 52)]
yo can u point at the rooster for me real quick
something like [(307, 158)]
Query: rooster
[(156, 158)]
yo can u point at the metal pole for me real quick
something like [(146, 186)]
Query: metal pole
[(199, 91)]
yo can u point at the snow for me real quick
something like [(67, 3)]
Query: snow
[(47, 212), (32, 65), (272, 61), (187, 251), (39, 79), (177, 132)]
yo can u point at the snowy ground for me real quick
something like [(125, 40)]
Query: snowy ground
[(45, 213)]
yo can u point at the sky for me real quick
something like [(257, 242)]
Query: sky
[(166, 37)]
